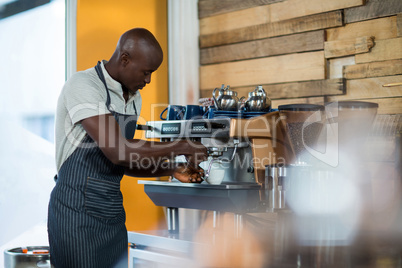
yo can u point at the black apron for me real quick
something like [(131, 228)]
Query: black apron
[(86, 218)]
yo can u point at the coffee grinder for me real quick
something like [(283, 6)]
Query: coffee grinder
[(302, 125)]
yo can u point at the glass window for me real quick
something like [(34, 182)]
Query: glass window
[(32, 73)]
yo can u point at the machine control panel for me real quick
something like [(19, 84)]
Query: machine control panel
[(206, 127), (198, 128)]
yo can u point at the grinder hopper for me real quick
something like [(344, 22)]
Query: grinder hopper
[(303, 124), (351, 122)]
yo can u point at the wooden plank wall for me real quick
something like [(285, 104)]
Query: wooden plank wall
[(311, 51), (308, 51)]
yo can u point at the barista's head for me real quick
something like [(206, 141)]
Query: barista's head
[(137, 55)]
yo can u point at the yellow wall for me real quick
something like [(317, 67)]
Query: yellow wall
[(99, 26)]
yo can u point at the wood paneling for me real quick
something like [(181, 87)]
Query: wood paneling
[(341, 48), (373, 9), (336, 65), (399, 24), (388, 49), (306, 89), (390, 105), (294, 67), (385, 105), (235, 20), (384, 28), (370, 88), (208, 8), (302, 50), (299, 8), (303, 42), (313, 100), (373, 69), (293, 90), (298, 25)]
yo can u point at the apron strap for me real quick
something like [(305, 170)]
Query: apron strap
[(98, 70), (127, 123)]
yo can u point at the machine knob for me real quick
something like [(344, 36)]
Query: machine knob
[(145, 127)]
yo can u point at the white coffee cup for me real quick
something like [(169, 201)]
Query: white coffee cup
[(216, 174)]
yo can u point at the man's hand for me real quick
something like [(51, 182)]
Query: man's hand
[(188, 173), (196, 153)]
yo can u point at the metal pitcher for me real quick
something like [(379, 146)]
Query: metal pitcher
[(257, 101), (227, 99)]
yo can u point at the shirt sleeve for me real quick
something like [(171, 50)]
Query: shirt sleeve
[(84, 97)]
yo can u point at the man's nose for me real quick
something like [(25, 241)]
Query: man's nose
[(147, 79)]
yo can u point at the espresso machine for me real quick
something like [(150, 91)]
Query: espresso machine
[(239, 148), (272, 168)]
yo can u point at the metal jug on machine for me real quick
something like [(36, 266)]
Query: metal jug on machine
[(227, 99), (257, 101)]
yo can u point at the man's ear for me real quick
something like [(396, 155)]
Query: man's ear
[(124, 59)]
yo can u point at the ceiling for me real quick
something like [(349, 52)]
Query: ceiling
[(3, 2), (12, 7)]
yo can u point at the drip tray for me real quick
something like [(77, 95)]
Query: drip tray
[(232, 197)]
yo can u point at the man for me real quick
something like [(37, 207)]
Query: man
[(96, 118)]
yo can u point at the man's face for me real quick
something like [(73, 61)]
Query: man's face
[(136, 74)]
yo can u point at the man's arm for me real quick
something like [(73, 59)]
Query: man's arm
[(141, 158), (183, 172)]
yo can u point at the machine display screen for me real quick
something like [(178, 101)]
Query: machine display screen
[(170, 128), (200, 127)]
